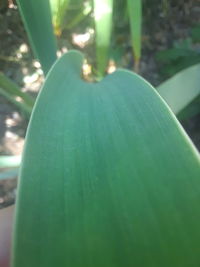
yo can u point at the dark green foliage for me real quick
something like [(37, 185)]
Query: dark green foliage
[(195, 33), (181, 56)]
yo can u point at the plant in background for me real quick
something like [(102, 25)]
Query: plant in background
[(59, 8), (103, 13), (135, 16), (108, 175), (42, 39), (183, 54), (178, 58), (10, 90), (66, 14), (180, 90), (103, 25)]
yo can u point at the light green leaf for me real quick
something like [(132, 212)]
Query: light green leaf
[(82, 14), (181, 89), (109, 178), (36, 16), (9, 161), (58, 8), (103, 25), (135, 18)]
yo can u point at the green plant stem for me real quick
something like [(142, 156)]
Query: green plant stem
[(135, 18)]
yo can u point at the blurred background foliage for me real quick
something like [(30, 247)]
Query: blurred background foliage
[(169, 37), (156, 38)]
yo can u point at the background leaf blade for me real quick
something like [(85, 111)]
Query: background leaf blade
[(181, 89), (103, 26), (12, 88), (135, 18), (58, 8), (36, 16)]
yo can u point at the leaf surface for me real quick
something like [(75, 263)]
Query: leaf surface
[(109, 178)]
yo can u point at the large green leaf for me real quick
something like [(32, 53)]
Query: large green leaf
[(36, 15), (103, 25), (109, 178), (181, 89)]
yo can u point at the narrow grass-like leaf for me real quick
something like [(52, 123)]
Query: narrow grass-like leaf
[(180, 90), (58, 8), (22, 106), (103, 25), (36, 15), (135, 18), (109, 178), (12, 88), (79, 17)]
